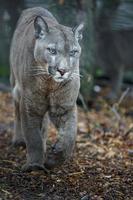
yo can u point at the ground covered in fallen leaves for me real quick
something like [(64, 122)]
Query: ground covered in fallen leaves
[(101, 168)]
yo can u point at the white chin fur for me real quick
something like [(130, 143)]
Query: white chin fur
[(58, 78)]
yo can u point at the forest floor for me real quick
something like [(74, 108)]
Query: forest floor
[(101, 168)]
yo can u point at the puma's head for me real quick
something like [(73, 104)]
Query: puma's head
[(58, 48)]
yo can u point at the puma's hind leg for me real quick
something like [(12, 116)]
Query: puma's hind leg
[(18, 139), (44, 131)]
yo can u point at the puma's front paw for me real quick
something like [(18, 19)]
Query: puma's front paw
[(33, 167), (54, 158), (53, 162)]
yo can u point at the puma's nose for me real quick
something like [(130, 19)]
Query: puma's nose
[(62, 71)]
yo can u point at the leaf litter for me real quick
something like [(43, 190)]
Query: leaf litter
[(101, 169)]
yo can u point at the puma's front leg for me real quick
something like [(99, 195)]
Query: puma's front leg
[(31, 127), (66, 125)]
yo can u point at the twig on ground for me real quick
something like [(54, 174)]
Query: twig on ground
[(128, 131), (5, 191), (116, 105), (83, 102), (124, 94), (75, 173), (114, 110)]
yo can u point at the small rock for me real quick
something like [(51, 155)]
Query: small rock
[(130, 152), (86, 197)]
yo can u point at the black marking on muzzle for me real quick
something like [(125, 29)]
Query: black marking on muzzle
[(52, 70)]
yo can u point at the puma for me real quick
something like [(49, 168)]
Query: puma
[(45, 82)]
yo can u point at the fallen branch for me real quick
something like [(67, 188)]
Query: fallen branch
[(128, 132), (83, 102), (5, 191), (124, 94), (75, 173), (115, 106)]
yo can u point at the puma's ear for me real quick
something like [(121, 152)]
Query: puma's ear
[(78, 31), (41, 27)]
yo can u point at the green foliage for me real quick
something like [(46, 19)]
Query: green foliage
[(4, 71), (99, 72)]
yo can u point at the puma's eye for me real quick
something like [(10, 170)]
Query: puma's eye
[(52, 51), (73, 52)]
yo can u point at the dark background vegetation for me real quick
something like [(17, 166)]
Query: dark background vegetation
[(107, 44)]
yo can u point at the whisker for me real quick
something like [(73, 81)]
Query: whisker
[(39, 73), (37, 69), (34, 70), (75, 76), (79, 75)]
